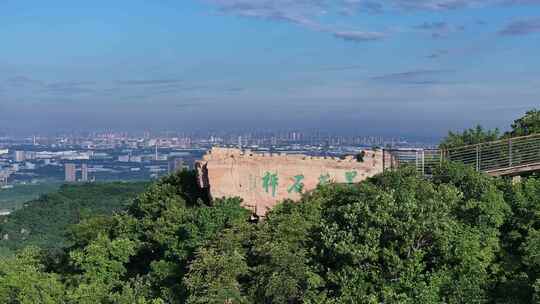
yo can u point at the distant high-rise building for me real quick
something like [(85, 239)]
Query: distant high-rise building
[(4, 175), (70, 171), (84, 172), (136, 159), (20, 156), (123, 158)]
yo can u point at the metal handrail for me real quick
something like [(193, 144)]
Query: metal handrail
[(496, 141), (491, 156)]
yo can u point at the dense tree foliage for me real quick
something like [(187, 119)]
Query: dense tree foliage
[(527, 125), (470, 136), (16, 197), (44, 221), (461, 237), (519, 267), (23, 279)]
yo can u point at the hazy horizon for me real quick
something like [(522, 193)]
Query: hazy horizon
[(395, 68)]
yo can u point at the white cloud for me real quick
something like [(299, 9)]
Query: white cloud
[(308, 13), (358, 36), (305, 13)]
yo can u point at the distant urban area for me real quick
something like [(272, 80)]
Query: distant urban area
[(117, 156)]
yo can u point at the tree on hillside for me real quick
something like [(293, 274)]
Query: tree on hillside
[(283, 269), (225, 261), (399, 238), (24, 281), (268, 262), (168, 224), (137, 256), (44, 221), (470, 136), (527, 125), (519, 270)]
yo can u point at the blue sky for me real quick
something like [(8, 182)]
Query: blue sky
[(401, 67)]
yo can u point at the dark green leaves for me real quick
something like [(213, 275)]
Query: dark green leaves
[(462, 237)]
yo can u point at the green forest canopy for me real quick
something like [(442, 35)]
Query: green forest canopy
[(15, 198), (462, 237), (43, 222), (527, 125)]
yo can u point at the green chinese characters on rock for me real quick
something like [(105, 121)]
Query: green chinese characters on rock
[(350, 176), (270, 181), (298, 185)]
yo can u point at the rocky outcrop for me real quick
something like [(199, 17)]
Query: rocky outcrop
[(263, 179)]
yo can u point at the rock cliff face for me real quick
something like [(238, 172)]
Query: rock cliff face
[(262, 180)]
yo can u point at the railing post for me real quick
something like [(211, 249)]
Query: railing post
[(478, 158), (416, 159), (510, 156), (423, 162), (383, 159)]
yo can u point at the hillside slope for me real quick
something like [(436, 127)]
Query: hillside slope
[(43, 222)]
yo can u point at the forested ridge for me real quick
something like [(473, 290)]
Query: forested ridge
[(43, 222)]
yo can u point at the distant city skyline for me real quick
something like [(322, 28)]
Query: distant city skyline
[(414, 68), (223, 136)]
